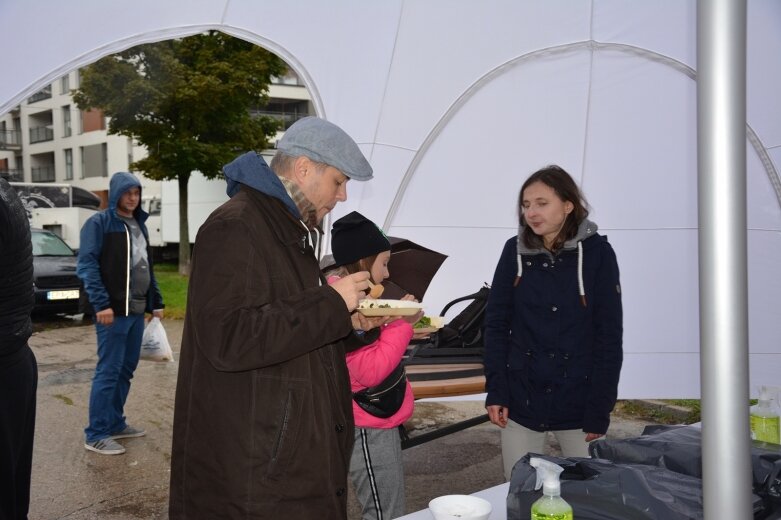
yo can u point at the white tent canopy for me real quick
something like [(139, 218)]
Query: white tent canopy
[(456, 102)]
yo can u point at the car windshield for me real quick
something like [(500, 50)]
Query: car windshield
[(49, 244)]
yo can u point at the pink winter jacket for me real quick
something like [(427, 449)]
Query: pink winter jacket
[(371, 364)]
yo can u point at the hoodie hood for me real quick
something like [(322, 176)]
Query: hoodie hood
[(119, 184), (586, 229), (251, 170)]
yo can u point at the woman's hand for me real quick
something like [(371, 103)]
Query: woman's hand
[(361, 322), (412, 320), (498, 414), (593, 436)]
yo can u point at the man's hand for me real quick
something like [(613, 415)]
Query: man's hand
[(352, 288), (158, 313), (498, 414), (105, 317), (593, 436)]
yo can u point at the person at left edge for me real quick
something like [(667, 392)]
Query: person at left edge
[(18, 369), (116, 270)]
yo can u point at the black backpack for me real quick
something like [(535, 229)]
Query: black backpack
[(461, 339)]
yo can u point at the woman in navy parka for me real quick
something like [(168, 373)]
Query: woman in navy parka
[(553, 325)]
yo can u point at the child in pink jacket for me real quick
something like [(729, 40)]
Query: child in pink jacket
[(376, 468)]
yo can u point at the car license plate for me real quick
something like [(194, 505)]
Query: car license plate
[(63, 295)]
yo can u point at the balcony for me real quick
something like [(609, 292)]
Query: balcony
[(10, 140), (12, 175), (40, 134), (286, 118), (43, 173), (42, 94)]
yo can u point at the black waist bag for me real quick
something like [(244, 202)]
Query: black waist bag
[(386, 398)]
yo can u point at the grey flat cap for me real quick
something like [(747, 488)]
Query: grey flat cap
[(325, 142)]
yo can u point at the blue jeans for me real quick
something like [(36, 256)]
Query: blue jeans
[(119, 347)]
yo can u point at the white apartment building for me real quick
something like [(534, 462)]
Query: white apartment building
[(48, 139)]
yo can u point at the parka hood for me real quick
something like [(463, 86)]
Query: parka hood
[(121, 182), (586, 229), (251, 170)]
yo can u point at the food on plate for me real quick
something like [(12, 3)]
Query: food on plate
[(376, 290), (431, 323), (422, 323), (370, 307)]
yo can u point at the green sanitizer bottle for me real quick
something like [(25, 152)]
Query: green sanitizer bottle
[(551, 506), (764, 418)]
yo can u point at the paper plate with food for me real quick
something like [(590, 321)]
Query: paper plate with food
[(428, 324), (369, 307)]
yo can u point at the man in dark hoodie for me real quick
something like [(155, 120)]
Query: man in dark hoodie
[(18, 370), (116, 269), (263, 424)]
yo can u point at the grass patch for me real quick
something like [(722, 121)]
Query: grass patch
[(659, 413), (173, 286)]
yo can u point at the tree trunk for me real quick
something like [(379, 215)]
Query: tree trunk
[(184, 226)]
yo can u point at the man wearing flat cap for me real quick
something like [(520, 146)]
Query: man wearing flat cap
[(263, 424)]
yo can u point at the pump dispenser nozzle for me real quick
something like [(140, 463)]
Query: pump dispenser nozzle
[(550, 506), (547, 476)]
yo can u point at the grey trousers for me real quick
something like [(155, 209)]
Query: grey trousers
[(517, 441), (377, 473)]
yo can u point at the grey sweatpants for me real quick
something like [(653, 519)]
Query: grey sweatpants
[(377, 473)]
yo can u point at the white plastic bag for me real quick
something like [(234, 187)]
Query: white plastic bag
[(154, 345)]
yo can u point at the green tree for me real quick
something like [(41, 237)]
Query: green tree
[(188, 101)]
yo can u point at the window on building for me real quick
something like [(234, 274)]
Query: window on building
[(68, 164), (66, 121), (65, 86), (104, 151), (94, 161)]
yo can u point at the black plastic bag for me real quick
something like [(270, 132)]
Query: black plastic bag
[(602, 490), (678, 448)]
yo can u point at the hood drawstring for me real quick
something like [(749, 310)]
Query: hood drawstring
[(581, 287), (313, 239)]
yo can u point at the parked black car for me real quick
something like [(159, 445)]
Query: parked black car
[(56, 285)]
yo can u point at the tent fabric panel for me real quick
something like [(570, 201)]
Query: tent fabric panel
[(372, 199), (451, 36), (659, 282), (641, 157), (662, 26), (764, 286), (487, 149), (763, 206), (763, 71), (660, 375)]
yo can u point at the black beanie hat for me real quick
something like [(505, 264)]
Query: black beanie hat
[(354, 237)]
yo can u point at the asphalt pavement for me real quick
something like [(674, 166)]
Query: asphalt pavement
[(71, 482)]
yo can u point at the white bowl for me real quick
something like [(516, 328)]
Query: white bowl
[(460, 507)]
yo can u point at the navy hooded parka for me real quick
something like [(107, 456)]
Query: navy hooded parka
[(551, 360)]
